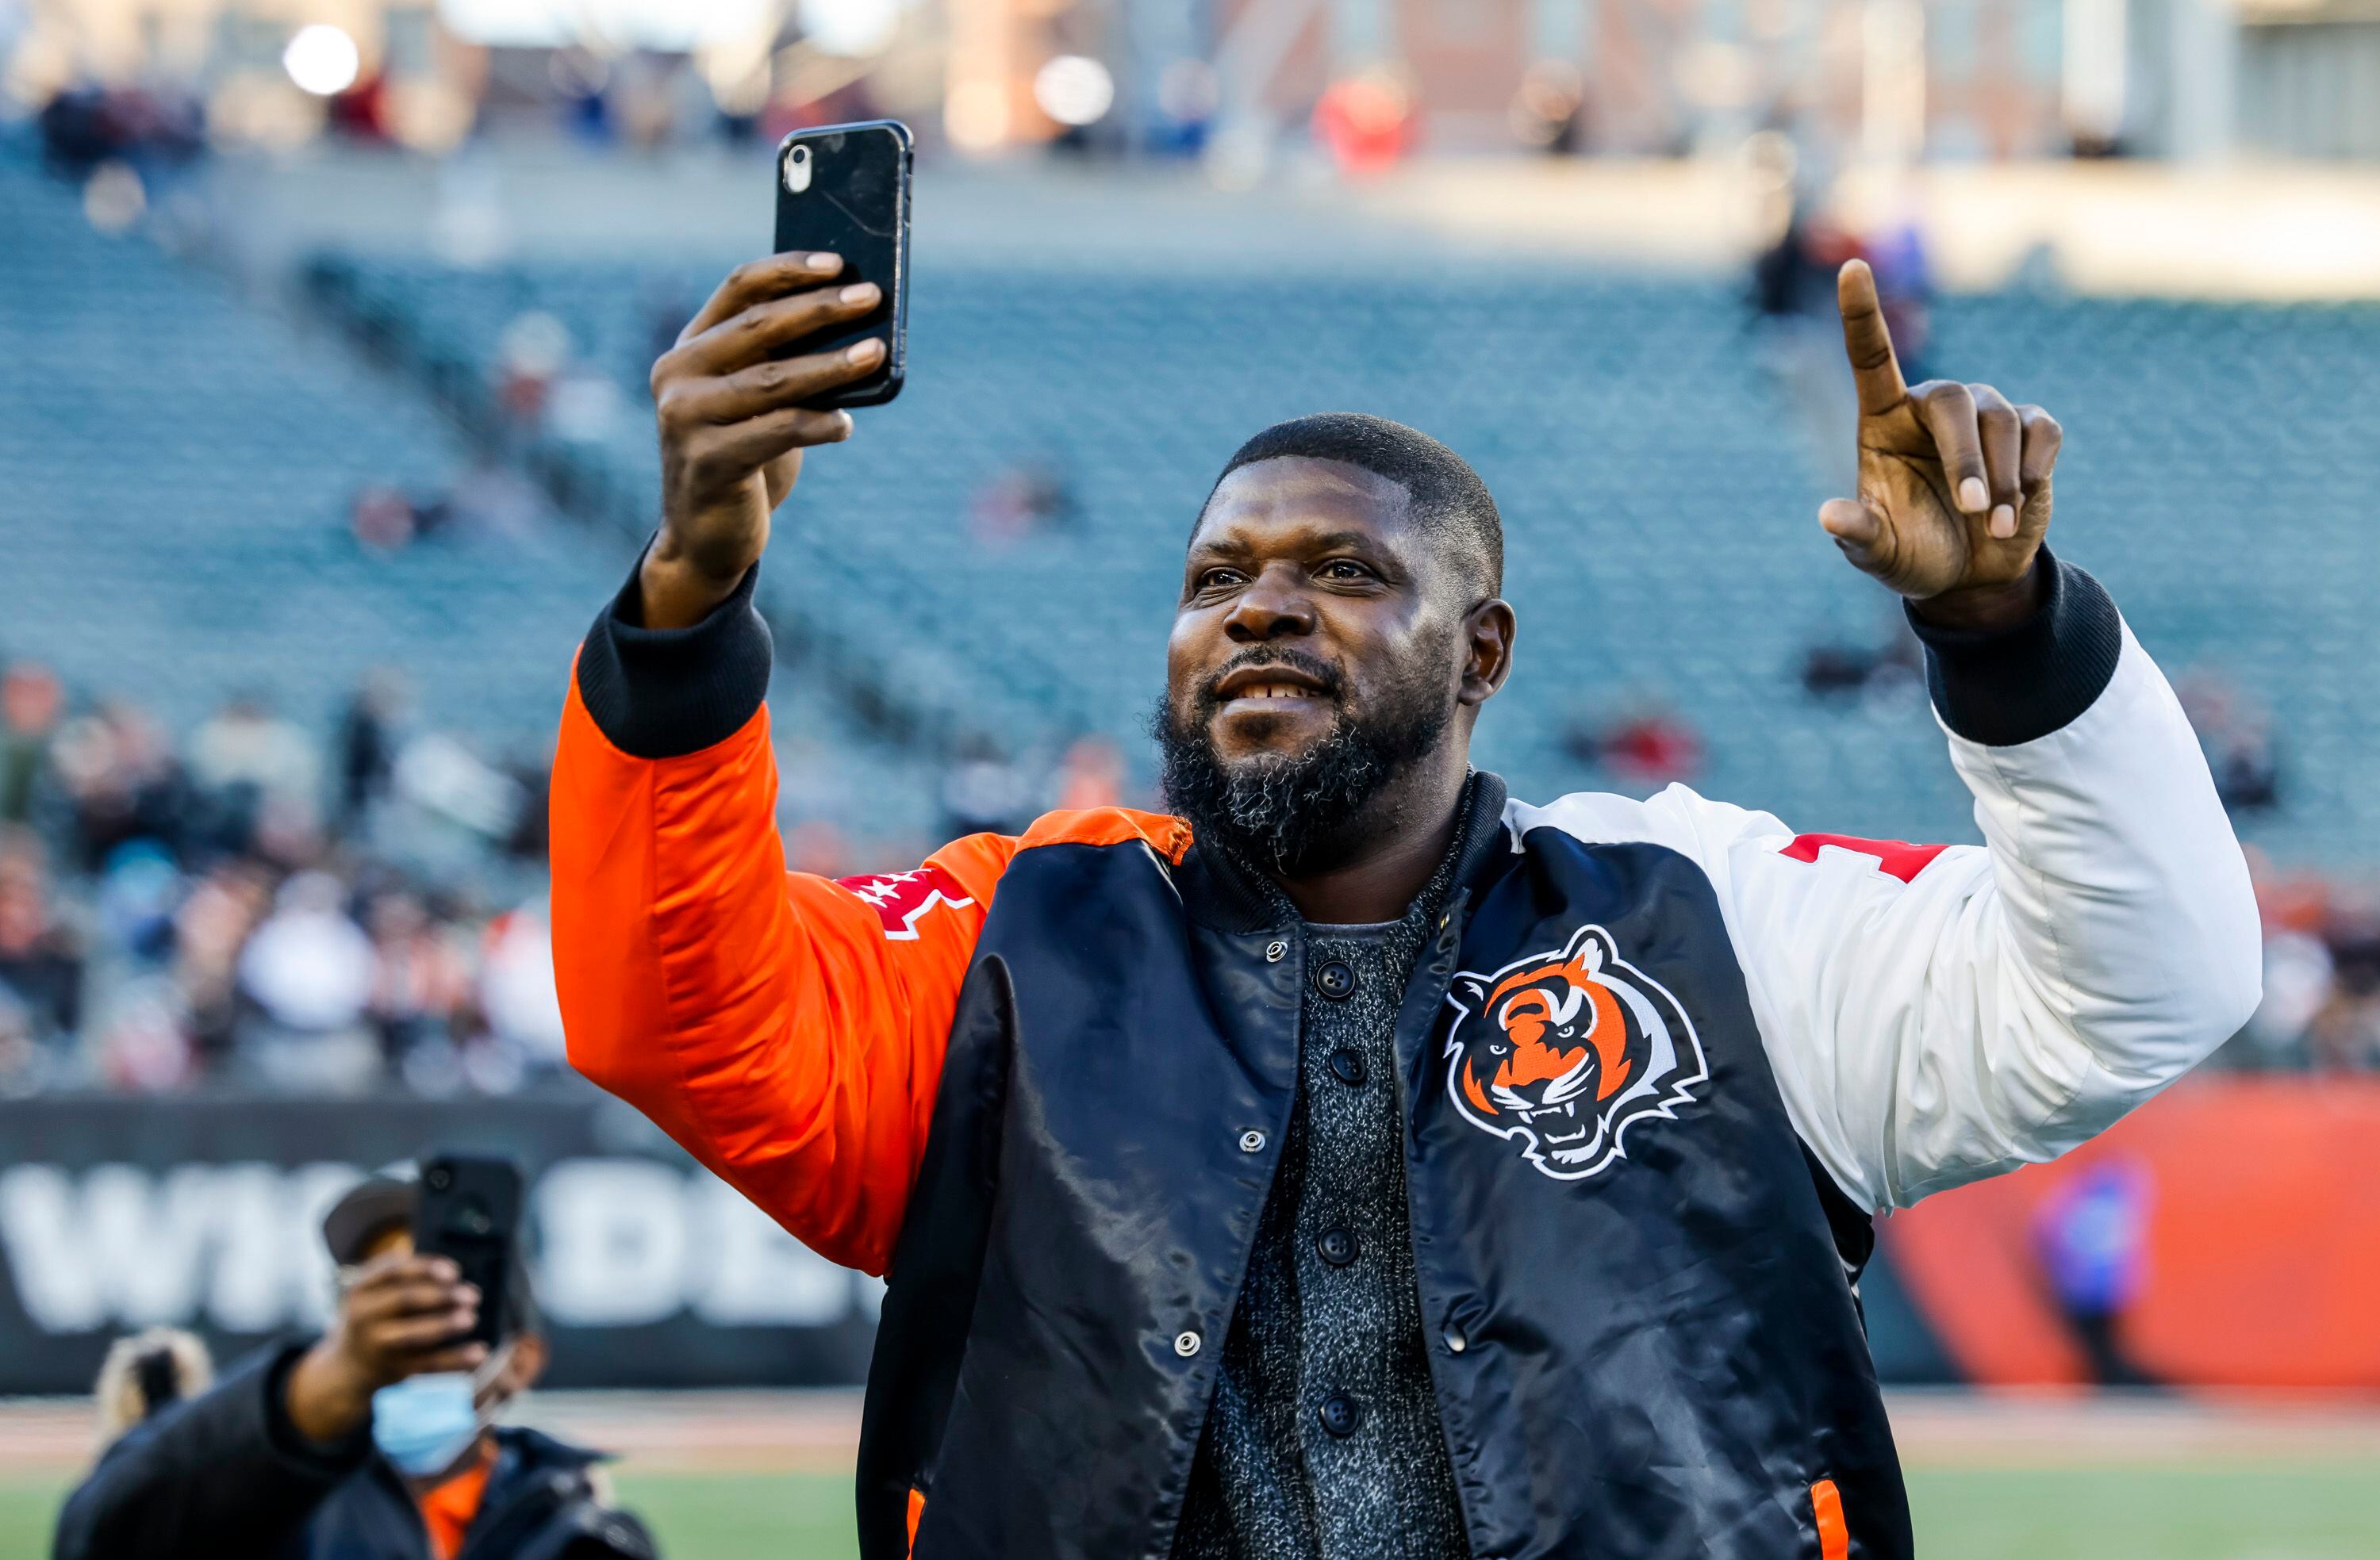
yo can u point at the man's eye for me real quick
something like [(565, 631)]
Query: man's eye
[(1220, 579), (1345, 569)]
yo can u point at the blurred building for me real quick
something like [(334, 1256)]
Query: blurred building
[(1232, 79)]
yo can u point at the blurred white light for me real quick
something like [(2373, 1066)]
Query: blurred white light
[(849, 26), (322, 59), (670, 25), (114, 197), (974, 115), (1074, 90)]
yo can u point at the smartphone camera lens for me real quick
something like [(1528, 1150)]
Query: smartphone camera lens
[(797, 170)]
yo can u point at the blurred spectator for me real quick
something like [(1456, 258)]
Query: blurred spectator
[(1650, 748), (984, 791), (309, 970), (366, 746), (419, 980), (223, 910), (1187, 94), (2093, 1236), (517, 990), (1548, 112), (251, 766), (382, 519), (2238, 738), (143, 124), (1904, 290), (1797, 335), (122, 781), (1793, 278), (360, 113), (1366, 122), (1028, 499), (29, 702), (530, 354), (41, 961), (1091, 775), (1836, 670)]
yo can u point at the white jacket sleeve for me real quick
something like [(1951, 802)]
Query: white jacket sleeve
[(1935, 1016)]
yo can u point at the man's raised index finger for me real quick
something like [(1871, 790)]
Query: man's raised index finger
[(1868, 341)]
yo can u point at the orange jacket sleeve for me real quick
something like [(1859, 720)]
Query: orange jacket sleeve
[(788, 1030)]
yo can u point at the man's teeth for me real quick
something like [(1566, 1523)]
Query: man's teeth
[(1273, 691)]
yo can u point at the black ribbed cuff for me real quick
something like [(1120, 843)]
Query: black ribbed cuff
[(2005, 686), (662, 693)]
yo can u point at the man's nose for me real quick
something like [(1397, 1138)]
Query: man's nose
[(1273, 607)]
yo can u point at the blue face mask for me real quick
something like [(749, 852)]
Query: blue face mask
[(424, 1424)]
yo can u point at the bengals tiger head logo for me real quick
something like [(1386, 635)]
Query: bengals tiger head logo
[(1563, 1051)]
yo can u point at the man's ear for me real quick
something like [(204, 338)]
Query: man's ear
[(1488, 631), (529, 1358)]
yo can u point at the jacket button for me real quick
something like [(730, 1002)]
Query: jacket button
[(1185, 1344), (1347, 1065), (1455, 1342), (1341, 1414), (1276, 951), (1252, 1142), (1335, 981), (1338, 1245)]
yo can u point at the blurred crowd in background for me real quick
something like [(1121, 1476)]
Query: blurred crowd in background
[(260, 905), (257, 903)]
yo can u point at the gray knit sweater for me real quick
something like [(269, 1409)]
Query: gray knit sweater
[(1323, 1439)]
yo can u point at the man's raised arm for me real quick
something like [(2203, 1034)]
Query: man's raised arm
[(1935, 1014), (788, 1030)]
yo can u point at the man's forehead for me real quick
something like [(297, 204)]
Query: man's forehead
[(1310, 497)]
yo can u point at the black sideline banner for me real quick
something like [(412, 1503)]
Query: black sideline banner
[(116, 1214)]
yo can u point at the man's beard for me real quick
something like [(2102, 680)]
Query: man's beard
[(1291, 812)]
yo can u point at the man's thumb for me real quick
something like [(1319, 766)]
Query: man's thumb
[(1855, 527)]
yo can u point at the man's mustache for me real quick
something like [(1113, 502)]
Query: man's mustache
[(1326, 677)]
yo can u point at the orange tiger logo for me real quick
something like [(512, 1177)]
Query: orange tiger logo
[(1564, 1051)]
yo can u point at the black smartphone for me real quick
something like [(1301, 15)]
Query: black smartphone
[(845, 188), (470, 1212)]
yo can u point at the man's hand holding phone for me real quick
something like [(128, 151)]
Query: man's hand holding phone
[(403, 1315), (734, 422)]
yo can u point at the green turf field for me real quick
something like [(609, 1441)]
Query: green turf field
[(2175, 1512)]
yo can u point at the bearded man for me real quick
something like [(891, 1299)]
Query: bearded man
[(1357, 1161)]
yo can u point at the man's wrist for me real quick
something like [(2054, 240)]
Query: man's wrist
[(326, 1399), (1993, 608), (677, 591), (2017, 682), (662, 693)]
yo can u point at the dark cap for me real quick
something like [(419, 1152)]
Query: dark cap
[(387, 1196)]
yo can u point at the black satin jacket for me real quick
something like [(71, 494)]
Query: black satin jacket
[(1637, 1288)]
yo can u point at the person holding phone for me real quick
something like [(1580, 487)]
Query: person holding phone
[(375, 1441), (1356, 1160)]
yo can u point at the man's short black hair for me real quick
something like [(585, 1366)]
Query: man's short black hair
[(1446, 495)]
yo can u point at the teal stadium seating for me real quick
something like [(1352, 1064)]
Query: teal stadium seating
[(2219, 476), (176, 467), (178, 462)]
